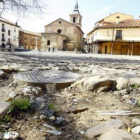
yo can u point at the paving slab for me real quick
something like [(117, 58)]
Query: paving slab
[(4, 107)]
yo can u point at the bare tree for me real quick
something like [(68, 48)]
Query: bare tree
[(23, 7)]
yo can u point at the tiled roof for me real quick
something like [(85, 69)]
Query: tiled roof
[(129, 23), (31, 33), (122, 24)]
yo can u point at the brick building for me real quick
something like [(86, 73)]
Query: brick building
[(29, 40)]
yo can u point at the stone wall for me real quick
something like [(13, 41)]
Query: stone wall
[(56, 41)]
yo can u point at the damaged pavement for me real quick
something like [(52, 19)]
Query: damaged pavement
[(97, 98)]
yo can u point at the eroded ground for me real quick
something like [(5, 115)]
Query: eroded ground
[(69, 102)]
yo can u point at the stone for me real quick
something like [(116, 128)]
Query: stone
[(99, 84), (83, 69), (42, 117), (4, 107), (122, 83), (79, 83), (52, 118), (11, 135), (136, 121), (24, 69), (37, 91), (75, 100), (116, 134), (130, 75), (35, 117), (12, 95), (2, 74), (134, 81), (58, 121), (94, 71), (136, 130), (102, 128)]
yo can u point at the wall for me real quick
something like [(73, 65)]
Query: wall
[(56, 41), (74, 36), (14, 34), (128, 34), (112, 18), (28, 41), (121, 48)]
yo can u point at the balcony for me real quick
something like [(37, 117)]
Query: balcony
[(3, 29), (3, 39), (119, 38)]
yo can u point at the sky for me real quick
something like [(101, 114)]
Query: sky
[(91, 10)]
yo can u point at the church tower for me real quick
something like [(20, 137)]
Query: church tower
[(76, 17)]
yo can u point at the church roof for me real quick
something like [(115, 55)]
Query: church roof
[(76, 9), (67, 22)]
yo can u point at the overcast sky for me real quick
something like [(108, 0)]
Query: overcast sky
[(91, 10)]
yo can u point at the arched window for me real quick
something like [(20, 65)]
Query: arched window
[(74, 19), (48, 42), (59, 31)]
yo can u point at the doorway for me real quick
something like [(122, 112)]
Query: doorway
[(106, 49)]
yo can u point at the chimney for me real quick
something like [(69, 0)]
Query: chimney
[(16, 23), (118, 17)]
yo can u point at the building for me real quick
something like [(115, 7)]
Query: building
[(64, 35), (118, 33), (9, 33), (29, 40)]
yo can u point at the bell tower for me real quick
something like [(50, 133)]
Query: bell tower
[(76, 17)]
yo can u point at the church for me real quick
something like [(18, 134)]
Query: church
[(62, 35)]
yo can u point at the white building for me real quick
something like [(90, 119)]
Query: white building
[(9, 33), (117, 34)]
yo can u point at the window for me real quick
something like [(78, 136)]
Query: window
[(8, 40), (3, 45), (3, 28), (8, 32), (107, 33), (14, 29), (59, 31), (74, 19), (59, 22), (48, 42), (3, 37), (118, 34), (15, 38)]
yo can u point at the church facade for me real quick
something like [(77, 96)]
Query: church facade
[(62, 35)]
